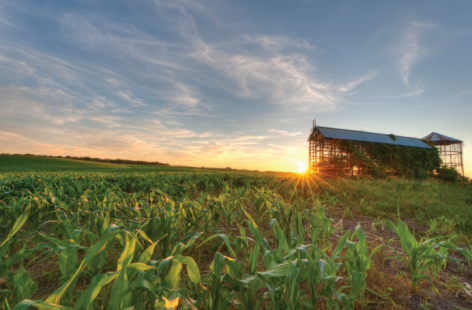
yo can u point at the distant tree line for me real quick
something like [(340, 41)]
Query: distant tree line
[(102, 160)]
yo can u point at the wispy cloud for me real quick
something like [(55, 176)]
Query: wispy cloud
[(186, 96), (416, 92), (271, 67), (461, 93), (277, 42), (128, 96), (372, 39), (286, 133), (411, 52), (288, 79), (4, 22), (283, 79), (355, 83)]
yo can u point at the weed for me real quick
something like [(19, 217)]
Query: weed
[(347, 214)]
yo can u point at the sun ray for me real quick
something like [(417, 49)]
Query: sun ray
[(287, 185), (294, 189), (311, 178), (309, 186), (327, 184)]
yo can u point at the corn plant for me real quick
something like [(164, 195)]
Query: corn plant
[(321, 227), (22, 286), (163, 225), (219, 296), (421, 256), (15, 216), (331, 199), (19, 222), (357, 262), (262, 201), (193, 215), (467, 253), (68, 261), (231, 210)]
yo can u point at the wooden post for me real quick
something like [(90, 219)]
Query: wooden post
[(462, 162)]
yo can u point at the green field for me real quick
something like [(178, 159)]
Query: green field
[(25, 163), (84, 235)]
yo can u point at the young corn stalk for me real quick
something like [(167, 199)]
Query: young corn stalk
[(228, 207), (357, 262), (22, 286), (15, 216), (421, 256), (164, 224), (222, 296), (321, 227), (262, 201)]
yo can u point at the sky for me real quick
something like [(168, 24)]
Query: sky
[(228, 83)]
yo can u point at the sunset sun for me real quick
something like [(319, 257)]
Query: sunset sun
[(302, 167)]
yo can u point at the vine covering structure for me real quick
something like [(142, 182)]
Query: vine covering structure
[(382, 160)]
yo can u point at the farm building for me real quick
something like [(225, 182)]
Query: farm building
[(450, 150), (335, 151)]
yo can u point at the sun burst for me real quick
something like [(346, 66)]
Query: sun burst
[(302, 167)]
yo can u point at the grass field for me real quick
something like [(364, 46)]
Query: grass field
[(24, 163), (81, 235)]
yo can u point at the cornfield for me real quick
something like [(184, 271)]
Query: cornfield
[(190, 241)]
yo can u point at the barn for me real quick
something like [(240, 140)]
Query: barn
[(343, 151)]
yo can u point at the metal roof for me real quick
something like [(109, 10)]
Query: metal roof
[(436, 137), (353, 135)]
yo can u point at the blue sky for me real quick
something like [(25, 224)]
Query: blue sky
[(228, 83)]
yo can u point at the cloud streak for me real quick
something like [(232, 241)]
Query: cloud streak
[(411, 52), (286, 133), (275, 70)]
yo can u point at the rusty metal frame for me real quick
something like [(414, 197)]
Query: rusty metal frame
[(321, 148), (451, 154)]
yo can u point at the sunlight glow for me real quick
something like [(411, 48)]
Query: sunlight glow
[(302, 167)]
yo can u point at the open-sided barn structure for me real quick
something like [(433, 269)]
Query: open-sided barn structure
[(324, 146), (450, 150)]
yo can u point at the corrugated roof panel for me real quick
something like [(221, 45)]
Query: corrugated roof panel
[(434, 137), (343, 134)]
